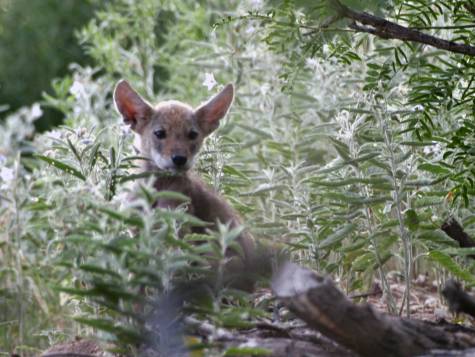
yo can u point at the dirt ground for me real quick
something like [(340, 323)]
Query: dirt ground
[(425, 304)]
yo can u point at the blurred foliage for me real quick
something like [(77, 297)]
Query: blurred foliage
[(348, 149), (37, 44)]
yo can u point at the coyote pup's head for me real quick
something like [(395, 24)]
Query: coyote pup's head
[(172, 132)]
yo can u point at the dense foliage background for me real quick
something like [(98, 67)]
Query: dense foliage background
[(347, 149), (37, 44)]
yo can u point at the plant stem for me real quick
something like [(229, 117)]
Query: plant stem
[(397, 198), (19, 269), (369, 219)]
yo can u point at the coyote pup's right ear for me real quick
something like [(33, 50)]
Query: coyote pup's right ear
[(133, 108), (210, 113)]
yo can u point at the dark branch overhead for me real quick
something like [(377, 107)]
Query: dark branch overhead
[(455, 231), (364, 22)]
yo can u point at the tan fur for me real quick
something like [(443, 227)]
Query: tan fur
[(177, 120)]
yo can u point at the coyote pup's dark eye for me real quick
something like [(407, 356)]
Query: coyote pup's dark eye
[(192, 135), (161, 134)]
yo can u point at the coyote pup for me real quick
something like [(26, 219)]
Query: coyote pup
[(170, 136)]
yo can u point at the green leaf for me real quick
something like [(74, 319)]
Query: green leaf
[(122, 333), (437, 236), (435, 169), (181, 217), (459, 251), (232, 171), (93, 156), (263, 188), (171, 195), (262, 133), (235, 320), (355, 199), (62, 166), (73, 149), (99, 270), (248, 351), (417, 143), (451, 265), (341, 148), (132, 220), (411, 220), (337, 236), (40, 205), (350, 181), (133, 177), (363, 262), (77, 292)]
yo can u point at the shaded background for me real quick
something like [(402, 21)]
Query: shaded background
[(37, 44)]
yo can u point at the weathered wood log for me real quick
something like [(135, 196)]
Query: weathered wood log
[(458, 300), (360, 328), (455, 231)]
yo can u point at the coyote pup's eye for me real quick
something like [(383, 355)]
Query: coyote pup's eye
[(192, 135), (161, 134)]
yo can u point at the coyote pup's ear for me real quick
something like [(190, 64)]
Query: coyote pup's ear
[(131, 106), (209, 114)]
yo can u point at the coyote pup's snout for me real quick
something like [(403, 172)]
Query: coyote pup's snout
[(172, 132)]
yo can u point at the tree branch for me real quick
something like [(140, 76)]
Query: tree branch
[(455, 231), (389, 30), (470, 8)]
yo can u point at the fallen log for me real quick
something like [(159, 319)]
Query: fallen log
[(362, 329)]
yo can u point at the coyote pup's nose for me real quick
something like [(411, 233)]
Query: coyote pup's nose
[(179, 160)]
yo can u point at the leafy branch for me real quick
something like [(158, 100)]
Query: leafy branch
[(364, 22)]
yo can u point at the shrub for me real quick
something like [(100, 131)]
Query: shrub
[(332, 167)]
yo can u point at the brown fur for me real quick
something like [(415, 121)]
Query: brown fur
[(177, 121)]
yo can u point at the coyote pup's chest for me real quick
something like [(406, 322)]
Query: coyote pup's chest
[(204, 202)]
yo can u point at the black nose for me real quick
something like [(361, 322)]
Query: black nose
[(179, 160)]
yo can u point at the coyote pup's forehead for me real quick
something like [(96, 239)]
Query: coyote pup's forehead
[(172, 113), (174, 108)]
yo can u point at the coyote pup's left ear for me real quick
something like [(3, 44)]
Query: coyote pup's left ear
[(133, 108), (209, 114)]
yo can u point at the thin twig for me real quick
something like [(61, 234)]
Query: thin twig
[(453, 27), (329, 29)]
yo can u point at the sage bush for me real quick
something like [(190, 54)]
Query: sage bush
[(334, 150)]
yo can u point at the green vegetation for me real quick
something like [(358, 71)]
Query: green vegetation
[(37, 44), (349, 149)]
